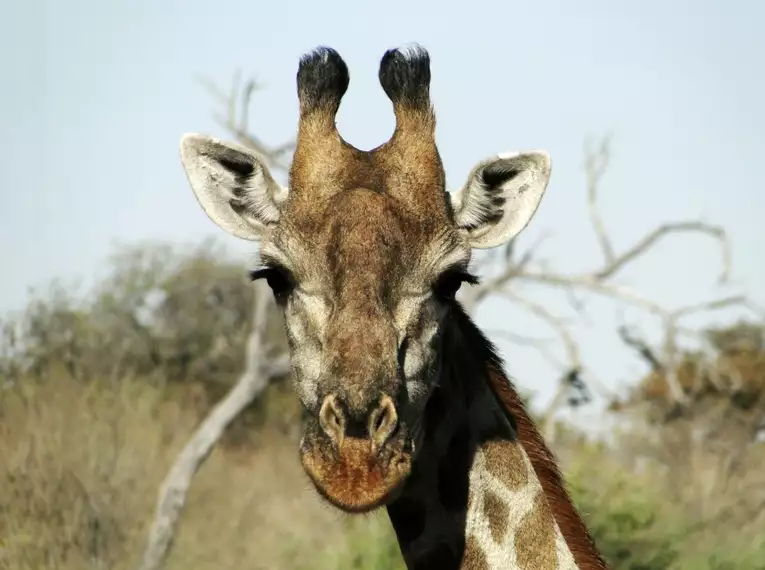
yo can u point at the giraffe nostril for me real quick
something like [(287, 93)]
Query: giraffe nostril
[(332, 420), (383, 422), (378, 422), (337, 422)]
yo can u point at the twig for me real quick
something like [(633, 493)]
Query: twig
[(668, 361), (643, 245), (641, 347), (172, 494), (595, 286), (713, 305), (556, 323), (574, 363), (541, 345), (475, 295), (237, 120), (595, 165)]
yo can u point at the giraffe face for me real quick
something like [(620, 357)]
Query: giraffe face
[(364, 254), (364, 284)]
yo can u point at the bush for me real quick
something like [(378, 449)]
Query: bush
[(164, 313)]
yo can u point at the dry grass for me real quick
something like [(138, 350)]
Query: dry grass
[(80, 467)]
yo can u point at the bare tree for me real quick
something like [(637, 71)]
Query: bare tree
[(261, 365), (258, 371), (515, 271)]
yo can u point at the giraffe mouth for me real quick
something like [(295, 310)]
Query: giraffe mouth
[(355, 478)]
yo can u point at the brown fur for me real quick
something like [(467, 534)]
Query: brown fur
[(359, 240), (570, 522), (496, 512), (474, 557), (535, 540), (355, 480), (359, 243), (413, 174), (407, 167), (502, 459)]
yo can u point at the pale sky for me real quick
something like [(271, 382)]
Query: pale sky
[(96, 95)]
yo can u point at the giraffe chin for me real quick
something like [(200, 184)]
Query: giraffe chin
[(353, 478)]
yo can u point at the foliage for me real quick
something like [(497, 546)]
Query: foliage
[(732, 368), (163, 312), (99, 393)]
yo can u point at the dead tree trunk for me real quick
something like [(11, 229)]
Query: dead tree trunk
[(255, 378)]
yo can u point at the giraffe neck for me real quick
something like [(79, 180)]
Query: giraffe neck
[(485, 492)]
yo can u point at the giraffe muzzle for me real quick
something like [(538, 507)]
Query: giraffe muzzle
[(357, 460)]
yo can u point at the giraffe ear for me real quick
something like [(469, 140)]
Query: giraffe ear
[(500, 197), (233, 185)]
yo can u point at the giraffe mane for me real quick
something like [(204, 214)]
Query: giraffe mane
[(571, 525)]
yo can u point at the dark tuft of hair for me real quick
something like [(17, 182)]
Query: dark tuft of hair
[(498, 173), (405, 75), (322, 79)]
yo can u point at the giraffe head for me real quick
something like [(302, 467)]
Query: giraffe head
[(364, 252)]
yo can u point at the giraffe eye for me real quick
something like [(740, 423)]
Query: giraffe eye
[(279, 279), (450, 281)]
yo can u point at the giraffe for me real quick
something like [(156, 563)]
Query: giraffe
[(407, 403)]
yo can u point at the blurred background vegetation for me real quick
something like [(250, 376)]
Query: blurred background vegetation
[(659, 425), (101, 391)]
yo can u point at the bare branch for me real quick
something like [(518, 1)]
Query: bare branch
[(671, 350), (476, 294), (232, 97), (713, 305), (649, 240), (510, 251), (581, 393), (556, 323), (254, 379), (642, 348), (574, 364), (539, 344), (671, 363), (237, 120), (668, 361), (244, 121), (593, 285), (595, 165), (259, 368), (214, 90), (570, 381), (578, 305), (519, 339)]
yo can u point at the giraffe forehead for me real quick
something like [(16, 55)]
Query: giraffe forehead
[(367, 224), (363, 234)]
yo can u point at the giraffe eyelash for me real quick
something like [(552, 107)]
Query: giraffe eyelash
[(279, 279), (450, 281), (461, 273), (468, 277)]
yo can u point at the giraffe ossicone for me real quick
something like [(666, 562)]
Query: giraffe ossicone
[(408, 405)]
